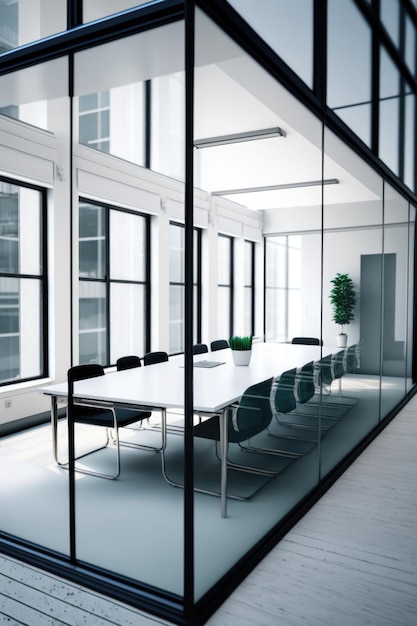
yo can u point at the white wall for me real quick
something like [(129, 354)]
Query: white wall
[(26, 153)]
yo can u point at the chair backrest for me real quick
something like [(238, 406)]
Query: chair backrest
[(253, 413), (200, 348), (81, 372), (219, 344), (127, 362), (307, 341), (324, 371), (352, 361), (304, 383), (282, 399), (338, 362), (155, 357)]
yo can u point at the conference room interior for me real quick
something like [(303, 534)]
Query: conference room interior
[(275, 219)]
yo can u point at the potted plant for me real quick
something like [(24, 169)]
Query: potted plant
[(343, 299), (241, 348)]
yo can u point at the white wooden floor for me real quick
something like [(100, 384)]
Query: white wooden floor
[(351, 561)]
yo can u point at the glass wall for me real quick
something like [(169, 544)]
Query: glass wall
[(279, 465), (34, 489), (102, 174), (113, 255)]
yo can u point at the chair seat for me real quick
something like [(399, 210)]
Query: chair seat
[(104, 417), (209, 429)]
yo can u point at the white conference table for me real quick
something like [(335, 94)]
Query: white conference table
[(161, 387)]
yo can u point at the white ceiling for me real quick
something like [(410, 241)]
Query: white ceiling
[(234, 94)]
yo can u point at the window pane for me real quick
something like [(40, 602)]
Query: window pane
[(127, 320), (176, 318), (176, 253), (93, 10), (93, 322), (127, 231), (224, 252), (9, 329), (410, 140), (389, 113), (349, 67), (390, 17), (293, 39), (223, 324), (24, 22), (92, 241)]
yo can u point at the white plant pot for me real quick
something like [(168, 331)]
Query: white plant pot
[(342, 340), (241, 357)]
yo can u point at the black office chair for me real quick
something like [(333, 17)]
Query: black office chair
[(127, 362), (249, 417), (219, 344), (151, 358), (200, 348), (94, 415), (307, 341), (284, 406)]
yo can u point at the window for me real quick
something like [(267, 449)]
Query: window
[(113, 290), (177, 287), (94, 120), (282, 287), (23, 307), (225, 286), (249, 287)]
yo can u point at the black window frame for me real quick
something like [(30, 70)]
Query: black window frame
[(43, 279), (108, 281)]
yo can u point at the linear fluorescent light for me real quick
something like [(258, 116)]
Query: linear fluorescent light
[(307, 183), (250, 135)]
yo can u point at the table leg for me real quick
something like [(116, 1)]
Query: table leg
[(54, 424), (223, 453)]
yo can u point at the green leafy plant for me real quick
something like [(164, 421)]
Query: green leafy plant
[(343, 299), (240, 343)]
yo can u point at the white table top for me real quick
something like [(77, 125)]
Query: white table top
[(162, 385)]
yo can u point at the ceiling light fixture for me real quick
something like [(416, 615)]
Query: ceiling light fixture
[(250, 135), (307, 183)]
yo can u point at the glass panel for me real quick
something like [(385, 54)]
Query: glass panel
[(410, 45), (349, 67), (225, 258), (390, 17), (23, 21), (246, 98), (34, 498), (95, 9), (389, 113), (128, 230), (284, 290), (26, 95), (127, 320), (293, 39), (394, 312), (92, 241), (93, 322), (167, 128), (410, 297), (112, 78), (225, 286), (410, 139), (21, 332), (352, 297), (176, 319)]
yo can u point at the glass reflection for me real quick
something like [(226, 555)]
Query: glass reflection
[(349, 67), (352, 248)]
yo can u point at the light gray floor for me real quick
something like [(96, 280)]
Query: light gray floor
[(352, 560)]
